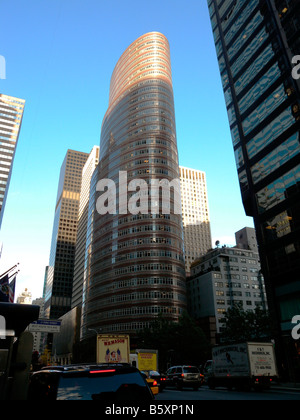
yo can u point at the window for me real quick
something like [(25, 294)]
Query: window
[(220, 302)]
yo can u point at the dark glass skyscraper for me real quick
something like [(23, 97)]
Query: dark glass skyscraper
[(134, 262), (59, 283), (255, 43)]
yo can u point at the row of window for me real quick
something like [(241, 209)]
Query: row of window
[(239, 294), (102, 289), (150, 140), (149, 254), (148, 152), (135, 311), (234, 277), (229, 302), (149, 281), (237, 285), (146, 172), (135, 297), (146, 267), (257, 303), (126, 326), (10, 139), (147, 228), (244, 269)]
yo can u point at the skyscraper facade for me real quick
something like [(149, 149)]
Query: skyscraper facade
[(256, 41), (11, 114), (221, 279), (134, 260), (87, 173), (195, 215), (59, 285)]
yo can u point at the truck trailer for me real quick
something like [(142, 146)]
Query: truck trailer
[(245, 365), (113, 348), (144, 360)]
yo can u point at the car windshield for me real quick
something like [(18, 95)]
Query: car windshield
[(118, 387), (154, 373), (190, 369)]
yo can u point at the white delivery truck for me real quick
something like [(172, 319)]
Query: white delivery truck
[(144, 360), (244, 365)]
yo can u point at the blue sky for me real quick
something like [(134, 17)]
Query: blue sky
[(60, 55)]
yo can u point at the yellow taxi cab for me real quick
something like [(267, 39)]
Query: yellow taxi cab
[(153, 384)]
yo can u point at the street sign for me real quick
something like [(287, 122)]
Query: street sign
[(45, 325)]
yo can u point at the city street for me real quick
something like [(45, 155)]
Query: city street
[(204, 394)]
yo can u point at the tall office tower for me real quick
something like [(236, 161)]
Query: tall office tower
[(195, 215), (59, 286), (87, 173), (134, 262), (255, 43), (11, 114)]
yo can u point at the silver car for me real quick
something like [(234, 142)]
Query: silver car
[(184, 376)]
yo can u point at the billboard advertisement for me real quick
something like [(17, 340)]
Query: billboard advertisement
[(113, 348)]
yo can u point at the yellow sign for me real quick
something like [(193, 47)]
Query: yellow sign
[(147, 361)]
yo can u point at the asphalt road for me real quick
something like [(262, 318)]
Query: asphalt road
[(205, 394)]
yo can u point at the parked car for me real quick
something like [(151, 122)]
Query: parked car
[(184, 376), (105, 382)]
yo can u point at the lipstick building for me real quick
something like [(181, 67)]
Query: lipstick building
[(134, 266)]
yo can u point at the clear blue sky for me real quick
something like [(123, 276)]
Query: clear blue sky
[(60, 55)]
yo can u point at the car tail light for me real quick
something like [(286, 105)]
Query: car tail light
[(163, 379), (182, 375), (103, 371), (154, 383)]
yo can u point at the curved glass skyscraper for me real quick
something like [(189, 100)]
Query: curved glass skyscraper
[(134, 259)]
